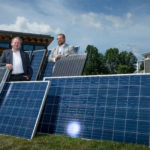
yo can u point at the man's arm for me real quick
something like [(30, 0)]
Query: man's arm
[(3, 59), (51, 57)]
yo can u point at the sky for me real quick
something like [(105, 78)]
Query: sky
[(122, 24)]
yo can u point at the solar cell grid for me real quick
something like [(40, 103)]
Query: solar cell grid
[(36, 63), (47, 69), (71, 65), (103, 107), (21, 105)]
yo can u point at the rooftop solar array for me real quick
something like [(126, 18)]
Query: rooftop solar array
[(21, 105), (38, 58), (115, 108), (4, 74), (71, 65), (47, 69)]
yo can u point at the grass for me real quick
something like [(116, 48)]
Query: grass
[(61, 142)]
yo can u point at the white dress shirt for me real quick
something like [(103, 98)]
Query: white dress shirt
[(17, 63), (60, 51)]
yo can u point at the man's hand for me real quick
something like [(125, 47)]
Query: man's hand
[(9, 66), (58, 57), (26, 77), (66, 54)]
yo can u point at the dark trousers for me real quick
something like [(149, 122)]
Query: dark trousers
[(17, 77)]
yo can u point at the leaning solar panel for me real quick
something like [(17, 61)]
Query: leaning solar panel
[(113, 108), (21, 105), (71, 65), (47, 69), (37, 60), (4, 73)]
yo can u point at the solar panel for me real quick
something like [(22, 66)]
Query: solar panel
[(38, 59), (4, 73), (47, 69), (115, 108), (21, 105), (71, 65)]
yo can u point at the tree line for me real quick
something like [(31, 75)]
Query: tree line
[(112, 62)]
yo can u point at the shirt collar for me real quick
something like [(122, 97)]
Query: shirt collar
[(13, 50), (62, 45)]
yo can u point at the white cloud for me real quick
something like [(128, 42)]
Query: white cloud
[(137, 51), (24, 25), (81, 27), (102, 21), (90, 20)]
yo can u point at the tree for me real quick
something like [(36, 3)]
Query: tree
[(95, 63), (142, 66), (127, 61), (112, 59), (111, 63)]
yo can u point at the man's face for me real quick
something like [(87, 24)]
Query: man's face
[(60, 40), (15, 44)]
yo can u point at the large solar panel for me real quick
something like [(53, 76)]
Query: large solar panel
[(115, 108), (71, 65), (47, 69), (38, 58), (4, 73), (21, 104)]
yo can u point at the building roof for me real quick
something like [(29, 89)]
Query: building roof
[(146, 54), (27, 37)]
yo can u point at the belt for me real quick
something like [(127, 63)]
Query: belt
[(17, 74)]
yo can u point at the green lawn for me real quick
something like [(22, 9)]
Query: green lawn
[(61, 142)]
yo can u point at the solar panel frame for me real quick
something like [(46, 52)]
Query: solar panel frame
[(4, 78), (137, 113), (23, 86)]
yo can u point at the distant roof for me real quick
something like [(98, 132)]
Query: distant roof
[(146, 54), (27, 37)]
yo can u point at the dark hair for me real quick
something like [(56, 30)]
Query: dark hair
[(17, 37), (62, 35)]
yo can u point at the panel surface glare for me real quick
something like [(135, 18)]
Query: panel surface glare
[(115, 108)]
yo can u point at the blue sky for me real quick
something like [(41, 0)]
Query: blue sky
[(124, 24)]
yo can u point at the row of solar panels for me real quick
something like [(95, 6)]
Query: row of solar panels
[(40, 65), (113, 108), (72, 65)]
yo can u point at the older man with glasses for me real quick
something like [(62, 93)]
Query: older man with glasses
[(17, 61)]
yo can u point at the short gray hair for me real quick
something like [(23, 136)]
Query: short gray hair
[(17, 37)]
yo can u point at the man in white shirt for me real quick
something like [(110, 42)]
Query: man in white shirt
[(62, 49), (17, 61)]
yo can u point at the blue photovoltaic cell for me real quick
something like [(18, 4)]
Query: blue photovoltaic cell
[(36, 63), (21, 105), (47, 69), (115, 108)]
